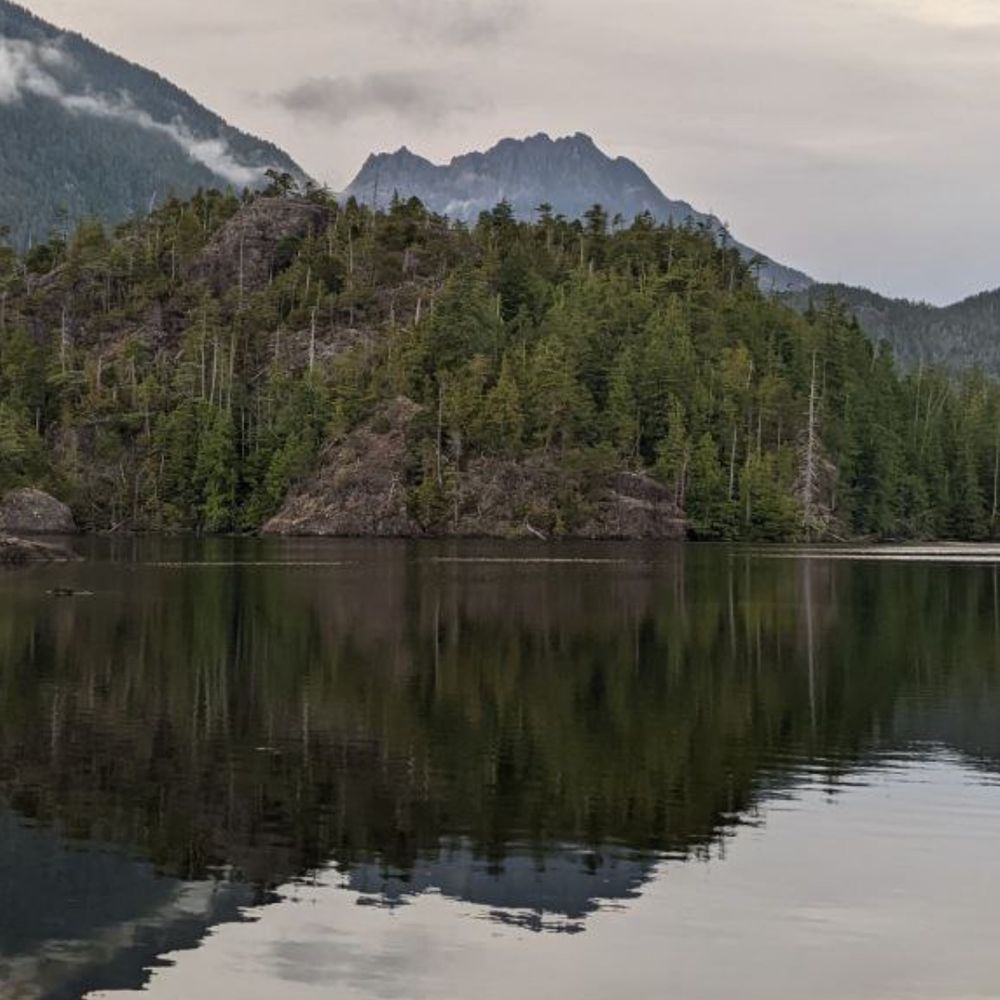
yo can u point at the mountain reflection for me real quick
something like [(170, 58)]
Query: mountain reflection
[(552, 893), (530, 736)]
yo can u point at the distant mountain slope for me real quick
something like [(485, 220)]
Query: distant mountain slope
[(571, 174), (83, 132), (961, 337)]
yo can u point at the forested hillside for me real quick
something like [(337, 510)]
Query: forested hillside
[(961, 337), (86, 133), (224, 361)]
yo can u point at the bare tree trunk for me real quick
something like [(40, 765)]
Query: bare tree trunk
[(681, 493), (996, 483), (312, 339), (204, 360), (749, 488), (215, 368), (63, 340), (242, 268), (732, 467), (809, 484), (440, 423), (233, 343)]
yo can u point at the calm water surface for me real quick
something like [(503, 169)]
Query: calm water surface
[(390, 770)]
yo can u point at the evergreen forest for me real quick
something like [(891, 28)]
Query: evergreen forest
[(186, 370)]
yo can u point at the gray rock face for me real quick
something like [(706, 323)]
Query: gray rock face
[(570, 174), (243, 251), (360, 490), (32, 512), (636, 507)]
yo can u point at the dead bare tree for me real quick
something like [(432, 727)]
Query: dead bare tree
[(815, 515)]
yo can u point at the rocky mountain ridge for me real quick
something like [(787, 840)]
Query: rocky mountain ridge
[(570, 174)]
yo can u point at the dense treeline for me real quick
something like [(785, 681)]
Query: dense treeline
[(156, 397)]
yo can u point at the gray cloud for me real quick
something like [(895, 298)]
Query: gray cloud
[(452, 22), (28, 69), (416, 97)]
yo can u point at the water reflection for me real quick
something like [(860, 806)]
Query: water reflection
[(837, 900), (499, 727), (75, 918)]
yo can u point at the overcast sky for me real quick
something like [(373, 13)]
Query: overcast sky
[(855, 139)]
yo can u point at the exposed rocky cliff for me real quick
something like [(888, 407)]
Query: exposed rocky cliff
[(359, 488), (243, 254), (362, 489)]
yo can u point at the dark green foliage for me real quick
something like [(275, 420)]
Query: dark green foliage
[(158, 401)]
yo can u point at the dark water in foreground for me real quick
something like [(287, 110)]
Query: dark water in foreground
[(370, 770)]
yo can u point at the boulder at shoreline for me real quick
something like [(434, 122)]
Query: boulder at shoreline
[(32, 512)]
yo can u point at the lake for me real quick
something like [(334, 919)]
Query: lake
[(365, 769)]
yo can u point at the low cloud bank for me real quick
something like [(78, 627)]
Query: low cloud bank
[(27, 68)]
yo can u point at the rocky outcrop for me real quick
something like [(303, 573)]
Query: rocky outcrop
[(362, 490), (32, 512), (538, 498), (246, 252), (635, 506), (21, 552)]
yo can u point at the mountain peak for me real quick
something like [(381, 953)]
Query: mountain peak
[(571, 173)]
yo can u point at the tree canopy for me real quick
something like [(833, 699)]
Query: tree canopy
[(155, 395)]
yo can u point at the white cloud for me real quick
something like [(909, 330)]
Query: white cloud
[(25, 69), (28, 69)]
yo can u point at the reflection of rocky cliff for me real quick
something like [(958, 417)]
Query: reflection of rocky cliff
[(377, 710), (551, 891)]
